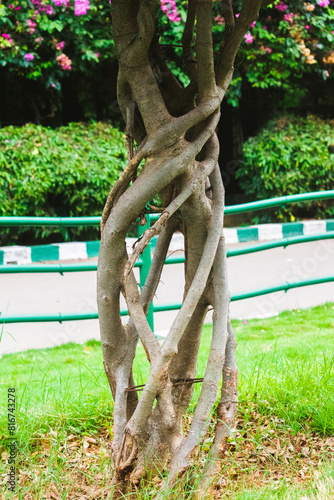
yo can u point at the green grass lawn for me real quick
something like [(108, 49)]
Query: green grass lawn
[(286, 382)]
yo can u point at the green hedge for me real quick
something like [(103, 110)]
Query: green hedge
[(291, 155), (64, 172)]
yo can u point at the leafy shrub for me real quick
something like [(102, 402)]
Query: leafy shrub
[(64, 172), (291, 155)]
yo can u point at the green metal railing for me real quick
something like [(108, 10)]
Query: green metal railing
[(145, 261), (159, 307), (234, 209)]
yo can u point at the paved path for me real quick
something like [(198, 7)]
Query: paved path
[(75, 292)]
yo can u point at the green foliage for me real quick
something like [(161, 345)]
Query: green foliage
[(64, 172), (291, 155), (46, 41), (291, 42)]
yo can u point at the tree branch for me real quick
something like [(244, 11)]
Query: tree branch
[(230, 47), (182, 457), (204, 50), (226, 413), (136, 312), (158, 261), (188, 31), (228, 13), (204, 169)]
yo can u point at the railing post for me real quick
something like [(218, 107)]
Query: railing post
[(145, 267)]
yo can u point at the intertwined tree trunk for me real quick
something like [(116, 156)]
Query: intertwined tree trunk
[(176, 156)]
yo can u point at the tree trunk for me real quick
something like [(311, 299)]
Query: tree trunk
[(176, 156)]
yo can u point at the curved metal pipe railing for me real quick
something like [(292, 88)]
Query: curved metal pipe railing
[(160, 307), (144, 262), (232, 209)]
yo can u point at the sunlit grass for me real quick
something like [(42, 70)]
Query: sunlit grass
[(286, 369)]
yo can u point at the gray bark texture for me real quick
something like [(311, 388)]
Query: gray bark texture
[(172, 151)]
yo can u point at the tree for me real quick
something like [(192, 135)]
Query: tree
[(176, 154)]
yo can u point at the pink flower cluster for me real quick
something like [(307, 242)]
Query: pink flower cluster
[(289, 17), (29, 56), (249, 38), (40, 7), (31, 25), (64, 61), (60, 45), (59, 3), (324, 3), (265, 49), (7, 37), (281, 6), (219, 20), (81, 7), (11, 6), (170, 9)]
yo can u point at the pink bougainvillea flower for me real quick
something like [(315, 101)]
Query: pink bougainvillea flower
[(53, 85), (281, 6), (245, 322), (49, 10), (17, 8), (4, 35), (59, 3), (81, 7), (253, 24), (60, 45), (289, 17), (324, 3), (97, 54), (219, 20), (307, 27), (32, 26), (249, 38), (268, 50), (29, 56), (64, 61), (11, 6), (170, 9), (6, 140)]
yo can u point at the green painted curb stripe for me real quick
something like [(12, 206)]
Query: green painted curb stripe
[(41, 253), (292, 229), (93, 248), (330, 225), (1, 257), (248, 234)]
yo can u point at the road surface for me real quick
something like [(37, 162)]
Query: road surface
[(76, 292)]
